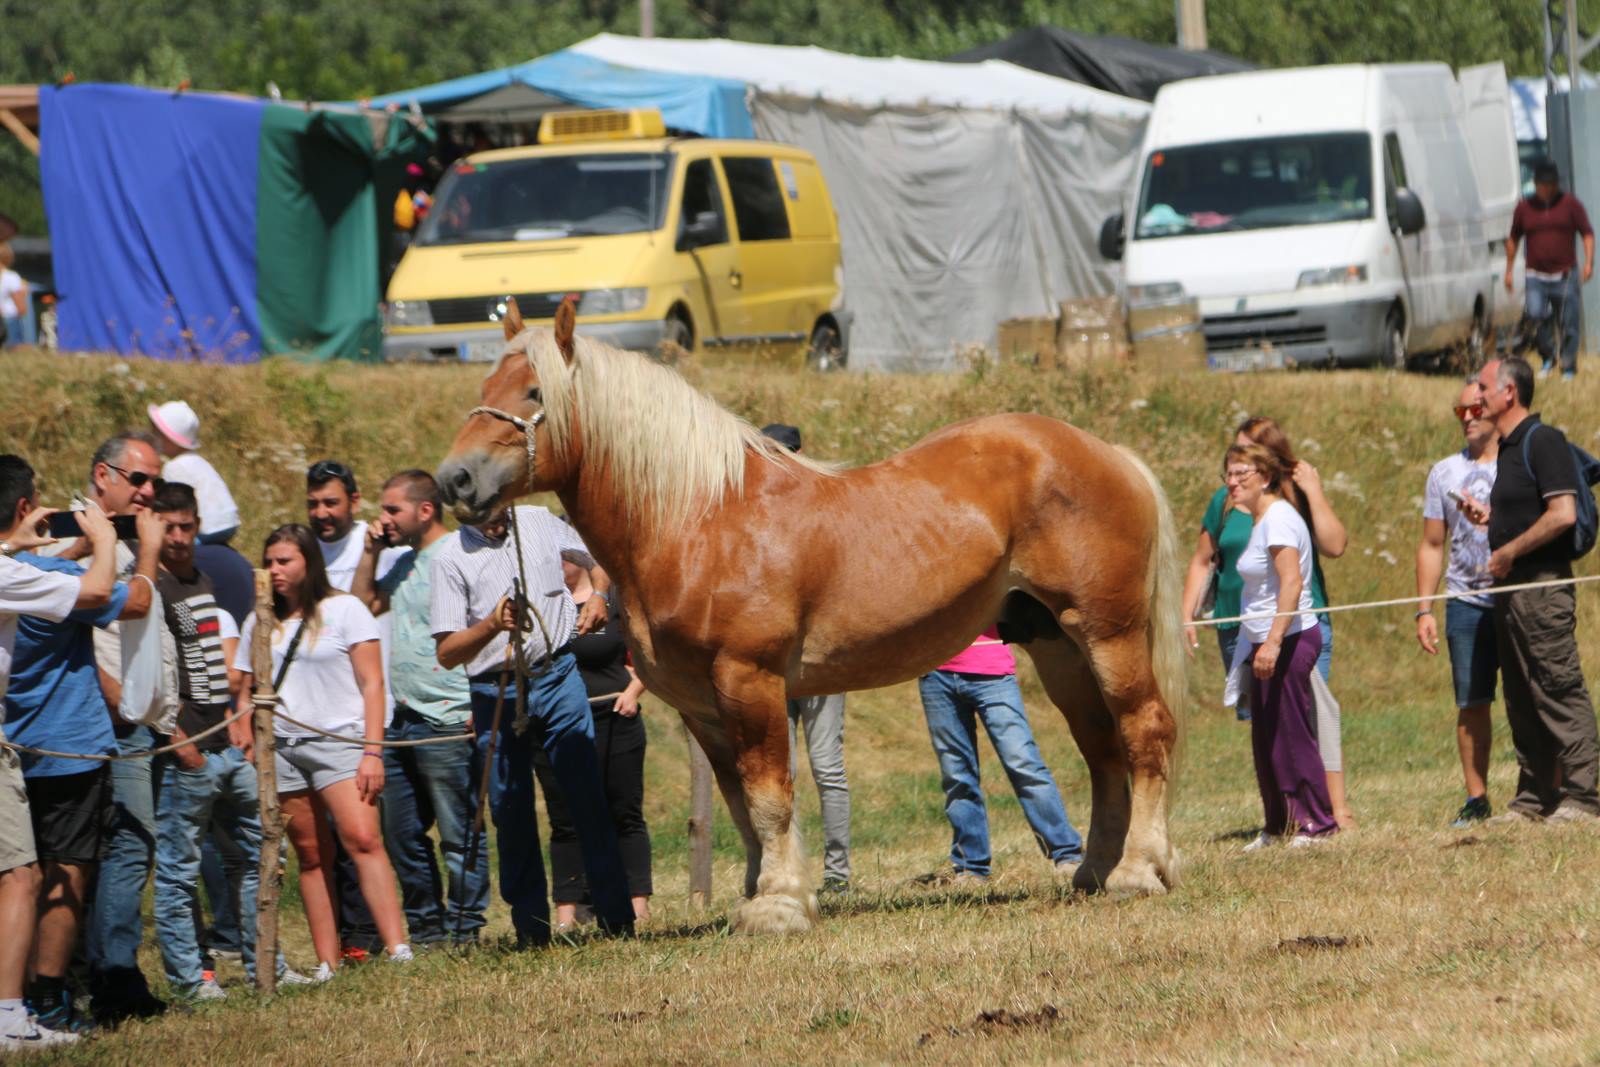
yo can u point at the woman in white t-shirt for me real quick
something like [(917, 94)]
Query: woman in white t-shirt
[(1282, 652), (334, 682)]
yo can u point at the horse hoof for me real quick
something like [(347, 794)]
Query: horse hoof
[(1136, 880), (775, 914)]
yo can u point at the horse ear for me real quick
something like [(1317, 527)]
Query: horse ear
[(566, 320), (513, 319)]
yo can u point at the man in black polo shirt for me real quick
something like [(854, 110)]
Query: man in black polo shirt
[(1530, 516)]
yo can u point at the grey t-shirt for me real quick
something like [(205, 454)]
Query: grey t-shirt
[(1468, 567)]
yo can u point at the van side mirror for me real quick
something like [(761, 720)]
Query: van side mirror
[(1112, 237), (704, 229), (1409, 218)]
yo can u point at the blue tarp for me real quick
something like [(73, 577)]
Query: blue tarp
[(151, 202), (711, 107)]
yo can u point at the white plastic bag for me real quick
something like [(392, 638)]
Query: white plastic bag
[(149, 670)]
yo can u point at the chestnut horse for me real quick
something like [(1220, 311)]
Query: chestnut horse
[(749, 575)]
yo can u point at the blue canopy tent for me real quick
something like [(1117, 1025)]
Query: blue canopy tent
[(711, 107)]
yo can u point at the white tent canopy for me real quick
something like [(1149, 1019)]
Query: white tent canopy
[(967, 193)]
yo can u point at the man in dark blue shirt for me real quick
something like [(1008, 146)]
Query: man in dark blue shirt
[(1531, 513)]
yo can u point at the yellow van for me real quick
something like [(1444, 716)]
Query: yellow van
[(706, 243)]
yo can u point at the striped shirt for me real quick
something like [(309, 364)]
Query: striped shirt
[(472, 573)]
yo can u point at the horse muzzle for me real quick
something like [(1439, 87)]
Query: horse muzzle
[(473, 485)]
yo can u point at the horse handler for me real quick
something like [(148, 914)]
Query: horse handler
[(473, 616)]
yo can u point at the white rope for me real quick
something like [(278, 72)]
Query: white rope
[(1397, 602), (207, 732)]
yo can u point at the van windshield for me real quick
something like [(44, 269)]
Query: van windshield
[(1256, 184), (549, 197)]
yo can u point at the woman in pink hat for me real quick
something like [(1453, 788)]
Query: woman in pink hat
[(178, 432)]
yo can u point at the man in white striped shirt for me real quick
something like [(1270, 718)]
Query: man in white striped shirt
[(472, 620)]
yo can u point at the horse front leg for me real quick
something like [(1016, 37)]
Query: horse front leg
[(751, 704)]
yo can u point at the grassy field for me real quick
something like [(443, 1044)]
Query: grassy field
[(1423, 943)]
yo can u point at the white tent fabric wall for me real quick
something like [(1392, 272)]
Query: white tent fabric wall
[(953, 220), (966, 193)]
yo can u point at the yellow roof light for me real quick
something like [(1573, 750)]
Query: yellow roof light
[(601, 125)]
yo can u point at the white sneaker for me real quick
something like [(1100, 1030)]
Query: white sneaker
[(1066, 869), (323, 973), (290, 976), (1308, 841), (208, 989), (401, 954), (1259, 842), (34, 1035)]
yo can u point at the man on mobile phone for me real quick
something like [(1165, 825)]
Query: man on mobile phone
[(54, 701), (1455, 483), (29, 592)]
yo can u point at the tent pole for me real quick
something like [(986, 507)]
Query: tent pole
[(647, 18), (9, 120), (1192, 25)]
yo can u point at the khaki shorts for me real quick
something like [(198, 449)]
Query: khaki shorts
[(16, 825)]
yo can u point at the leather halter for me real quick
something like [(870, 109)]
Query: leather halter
[(527, 426)]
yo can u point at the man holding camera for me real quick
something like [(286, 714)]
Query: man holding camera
[(28, 592), (55, 701), (426, 785)]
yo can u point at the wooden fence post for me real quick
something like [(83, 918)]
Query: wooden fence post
[(699, 826), (267, 788)]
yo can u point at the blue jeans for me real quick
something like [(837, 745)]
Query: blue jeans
[(558, 710), (427, 786), (1227, 641), (1545, 302), (952, 703), (116, 927), (1325, 657), (224, 789), (221, 865)]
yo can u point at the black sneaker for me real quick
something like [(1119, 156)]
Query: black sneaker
[(834, 887), (1475, 810), (59, 1014)]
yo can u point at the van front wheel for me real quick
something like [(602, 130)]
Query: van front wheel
[(676, 331), (1394, 342), (826, 349)]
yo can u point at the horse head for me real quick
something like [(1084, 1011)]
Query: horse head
[(503, 450)]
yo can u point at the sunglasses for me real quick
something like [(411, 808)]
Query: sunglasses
[(137, 479), (1463, 410)]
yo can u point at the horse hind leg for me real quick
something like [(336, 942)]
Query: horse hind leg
[(1148, 731), (713, 740), (1072, 687)]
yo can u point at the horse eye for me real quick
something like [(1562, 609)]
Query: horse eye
[(535, 395)]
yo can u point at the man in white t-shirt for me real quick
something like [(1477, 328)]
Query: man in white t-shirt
[(1469, 620), (25, 590)]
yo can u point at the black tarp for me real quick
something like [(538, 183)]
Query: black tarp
[(1116, 64)]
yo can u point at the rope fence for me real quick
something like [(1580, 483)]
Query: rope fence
[(271, 709)]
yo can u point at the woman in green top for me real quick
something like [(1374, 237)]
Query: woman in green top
[(1223, 533)]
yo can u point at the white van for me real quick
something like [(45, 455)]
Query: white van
[(1326, 215)]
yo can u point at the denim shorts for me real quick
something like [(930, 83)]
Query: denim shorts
[(314, 763), (1474, 659)]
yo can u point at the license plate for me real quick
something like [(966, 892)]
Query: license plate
[(1247, 359), (482, 351)]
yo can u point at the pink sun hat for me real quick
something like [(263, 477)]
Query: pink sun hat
[(177, 422)]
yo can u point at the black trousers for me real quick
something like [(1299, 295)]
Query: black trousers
[(620, 744)]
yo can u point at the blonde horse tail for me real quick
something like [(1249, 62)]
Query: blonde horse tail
[(1167, 657)]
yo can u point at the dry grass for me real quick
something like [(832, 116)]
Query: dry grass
[(1476, 947)]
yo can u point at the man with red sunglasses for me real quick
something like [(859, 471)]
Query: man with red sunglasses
[(1467, 475)]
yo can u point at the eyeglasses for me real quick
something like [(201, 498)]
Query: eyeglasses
[(137, 479), (1464, 410), (1238, 474)]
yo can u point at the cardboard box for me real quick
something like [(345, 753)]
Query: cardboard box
[(1091, 331), (1150, 320), (1035, 336), (1176, 351)]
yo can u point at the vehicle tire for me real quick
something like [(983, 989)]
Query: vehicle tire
[(1477, 339), (1393, 355), (825, 352), (676, 330)]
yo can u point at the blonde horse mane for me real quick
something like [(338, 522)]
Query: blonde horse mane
[(673, 453)]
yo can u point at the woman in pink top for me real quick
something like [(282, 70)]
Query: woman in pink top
[(981, 683)]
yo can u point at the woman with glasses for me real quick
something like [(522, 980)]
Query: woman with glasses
[(333, 681), (1279, 653)]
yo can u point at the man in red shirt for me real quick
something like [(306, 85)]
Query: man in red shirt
[(1550, 219)]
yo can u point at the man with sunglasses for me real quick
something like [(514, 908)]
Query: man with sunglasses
[(1465, 476), (123, 477)]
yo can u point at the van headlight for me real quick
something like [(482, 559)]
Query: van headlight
[(1351, 275), (1155, 293), (407, 313), (612, 301)]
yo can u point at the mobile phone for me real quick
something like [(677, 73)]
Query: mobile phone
[(65, 524), (1460, 500)]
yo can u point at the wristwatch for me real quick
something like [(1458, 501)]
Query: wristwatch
[(6, 549)]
